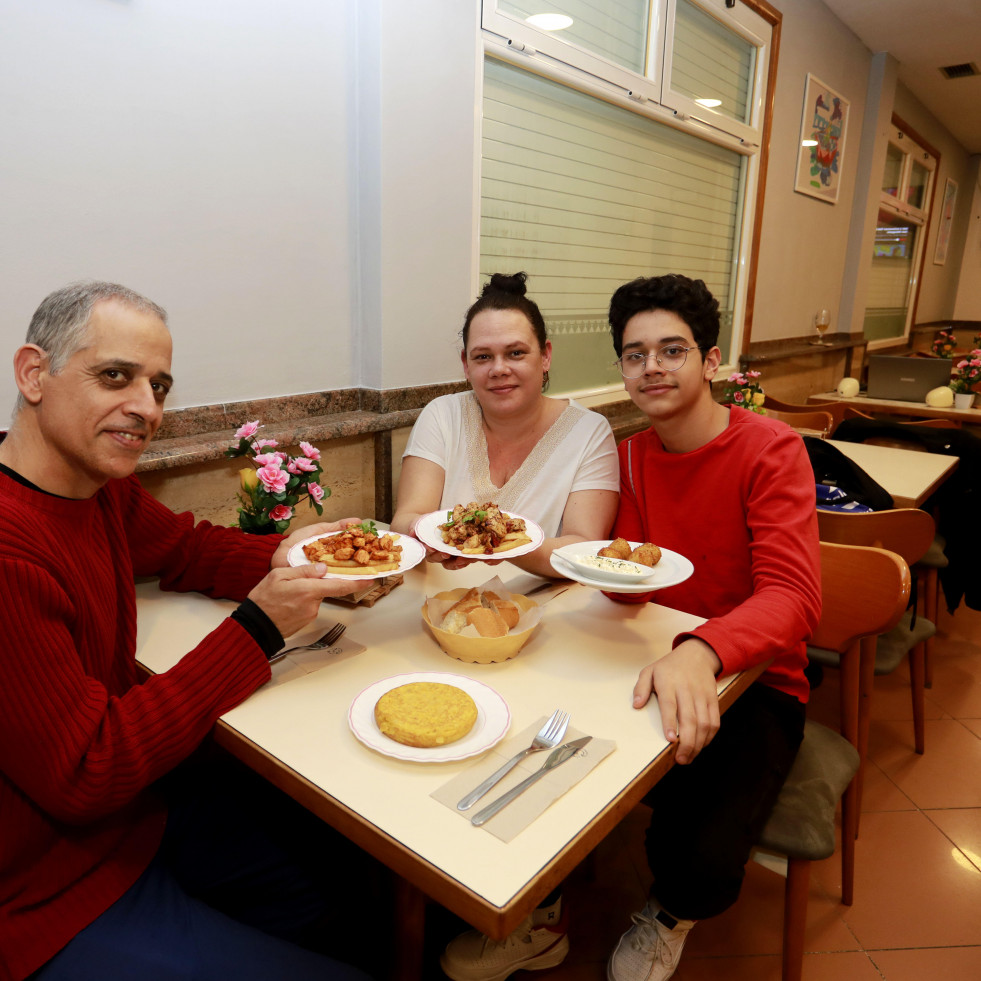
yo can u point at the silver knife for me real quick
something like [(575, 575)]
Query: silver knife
[(556, 758)]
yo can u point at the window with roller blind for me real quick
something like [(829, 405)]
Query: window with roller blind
[(600, 161)]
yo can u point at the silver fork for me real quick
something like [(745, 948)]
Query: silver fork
[(331, 637), (549, 736)]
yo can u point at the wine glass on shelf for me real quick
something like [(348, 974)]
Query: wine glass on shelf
[(822, 321)]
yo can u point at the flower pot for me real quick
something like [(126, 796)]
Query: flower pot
[(963, 400)]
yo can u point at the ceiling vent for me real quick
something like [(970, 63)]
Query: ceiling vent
[(960, 71)]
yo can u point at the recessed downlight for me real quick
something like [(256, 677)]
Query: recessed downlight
[(549, 22)]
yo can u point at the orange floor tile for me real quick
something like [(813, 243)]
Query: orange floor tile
[(917, 910)]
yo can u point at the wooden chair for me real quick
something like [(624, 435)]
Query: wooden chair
[(815, 422), (850, 412), (927, 568), (909, 533), (836, 409), (865, 591)]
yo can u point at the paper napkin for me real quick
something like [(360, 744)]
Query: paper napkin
[(514, 818), (301, 663)]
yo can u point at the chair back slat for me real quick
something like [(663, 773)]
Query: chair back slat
[(819, 422), (864, 592), (908, 532)]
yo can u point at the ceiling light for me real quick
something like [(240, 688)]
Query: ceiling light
[(708, 103), (549, 22)]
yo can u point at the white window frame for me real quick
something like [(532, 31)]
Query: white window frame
[(548, 50), (514, 41), (752, 28)]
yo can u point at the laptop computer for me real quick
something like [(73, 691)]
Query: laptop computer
[(905, 379)]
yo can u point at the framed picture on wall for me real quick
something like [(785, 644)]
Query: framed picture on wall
[(946, 220), (823, 124)]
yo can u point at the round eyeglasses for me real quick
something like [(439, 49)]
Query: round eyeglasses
[(671, 357)]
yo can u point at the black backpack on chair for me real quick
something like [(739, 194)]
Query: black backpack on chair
[(840, 483)]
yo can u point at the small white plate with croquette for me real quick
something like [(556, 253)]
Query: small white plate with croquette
[(582, 563)]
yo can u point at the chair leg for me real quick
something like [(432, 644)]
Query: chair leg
[(795, 917), (866, 681), (917, 672), (850, 804), (931, 599)]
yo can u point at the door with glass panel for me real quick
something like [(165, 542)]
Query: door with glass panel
[(900, 233)]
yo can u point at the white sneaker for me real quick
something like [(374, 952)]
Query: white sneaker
[(651, 948), (539, 942)]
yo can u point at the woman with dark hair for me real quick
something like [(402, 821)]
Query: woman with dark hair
[(505, 441)]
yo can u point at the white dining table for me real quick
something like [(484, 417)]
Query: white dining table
[(898, 407), (584, 658), (909, 476)]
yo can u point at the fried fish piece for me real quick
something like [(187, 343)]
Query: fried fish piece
[(619, 548), (646, 554)]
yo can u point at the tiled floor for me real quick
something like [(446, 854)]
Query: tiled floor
[(917, 910)]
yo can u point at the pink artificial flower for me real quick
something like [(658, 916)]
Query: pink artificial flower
[(752, 374), (737, 378), (268, 460), (260, 443), (301, 465), (249, 429), (961, 364), (316, 492), (273, 479), (310, 452), (281, 513), (737, 396)]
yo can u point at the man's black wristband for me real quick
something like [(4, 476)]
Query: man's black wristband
[(262, 630)]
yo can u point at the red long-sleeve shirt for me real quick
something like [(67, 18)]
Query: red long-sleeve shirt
[(80, 740), (742, 509)]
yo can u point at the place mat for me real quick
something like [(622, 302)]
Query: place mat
[(514, 818), (301, 663)]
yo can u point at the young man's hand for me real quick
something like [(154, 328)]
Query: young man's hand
[(684, 682)]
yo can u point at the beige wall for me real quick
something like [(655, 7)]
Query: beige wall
[(802, 250), (803, 257)]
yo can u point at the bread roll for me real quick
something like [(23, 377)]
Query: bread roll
[(489, 623), (508, 610), (455, 618)]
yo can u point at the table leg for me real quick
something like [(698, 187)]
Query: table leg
[(410, 929)]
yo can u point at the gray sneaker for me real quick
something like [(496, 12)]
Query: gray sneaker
[(651, 948), (539, 942)]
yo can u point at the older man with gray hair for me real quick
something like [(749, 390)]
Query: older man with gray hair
[(106, 869)]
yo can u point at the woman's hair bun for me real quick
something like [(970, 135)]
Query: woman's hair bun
[(503, 283)]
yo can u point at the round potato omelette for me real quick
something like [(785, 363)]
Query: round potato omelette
[(425, 714)]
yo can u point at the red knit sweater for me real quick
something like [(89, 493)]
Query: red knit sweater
[(742, 509), (80, 740)]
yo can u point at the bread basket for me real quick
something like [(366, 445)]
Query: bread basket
[(481, 650)]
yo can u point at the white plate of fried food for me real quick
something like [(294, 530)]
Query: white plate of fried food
[(626, 569), (491, 725), (359, 552), (479, 531)]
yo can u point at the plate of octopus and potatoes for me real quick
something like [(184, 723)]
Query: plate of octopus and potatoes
[(360, 551), (621, 566), (479, 531)]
